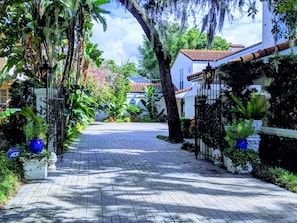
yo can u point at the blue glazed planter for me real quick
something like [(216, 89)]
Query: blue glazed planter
[(36, 146), (241, 144)]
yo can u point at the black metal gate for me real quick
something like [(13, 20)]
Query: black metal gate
[(208, 118), (55, 106), (55, 118)]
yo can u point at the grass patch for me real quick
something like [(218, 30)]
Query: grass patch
[(162, 137), (188, 146), (277, 176)]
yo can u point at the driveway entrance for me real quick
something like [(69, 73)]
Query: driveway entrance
[(120, 172)]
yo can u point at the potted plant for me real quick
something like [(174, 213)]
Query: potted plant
[(34, 158), (35, 131), (238, 132), (35, 165), (255, 109), (237, 157), (241, 161)]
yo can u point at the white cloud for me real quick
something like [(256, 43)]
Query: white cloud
[(244, 31), (122, 38), (124, 35)]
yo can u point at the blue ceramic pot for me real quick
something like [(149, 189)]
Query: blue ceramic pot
[(241, 144), (36, 146)]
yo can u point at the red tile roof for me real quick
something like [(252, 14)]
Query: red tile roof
[(140, 87), (183, 90), (264, 52), (206, 55), (196, 75), (234, 45)]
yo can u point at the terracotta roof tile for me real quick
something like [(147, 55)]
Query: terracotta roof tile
[(140, 87), (265, 52), (234, 45), (196, 75), (183, 90), (206, 55)]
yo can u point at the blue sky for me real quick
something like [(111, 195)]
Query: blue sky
[(124, 35)]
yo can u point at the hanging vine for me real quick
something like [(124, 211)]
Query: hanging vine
[(284, 19)]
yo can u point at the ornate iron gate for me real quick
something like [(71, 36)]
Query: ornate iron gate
[(55, 104), (55, 118), (208, 118)]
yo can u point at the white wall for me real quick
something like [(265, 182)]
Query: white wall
[(189, 107), (137, 98), (198, 66), (185, 64), (267, 36)]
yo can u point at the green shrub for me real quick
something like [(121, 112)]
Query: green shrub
[(146, 119), (71, 134), (134, 111), (188, 146), (256, 107), (185, 126), (279, 151), (162, 137), (277, 176), (9, 179), (127, 119), (241, 157)]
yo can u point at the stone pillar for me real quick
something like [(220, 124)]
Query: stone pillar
[(40, 101), (41, 106)]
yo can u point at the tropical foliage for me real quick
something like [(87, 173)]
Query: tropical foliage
[(38, 32), (283, 103), (134, 111), (256, 107), (109, 85), (238, 130), (9, 178), (151, 96), (284, 13)]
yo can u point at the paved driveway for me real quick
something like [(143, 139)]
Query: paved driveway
[(122, 173)]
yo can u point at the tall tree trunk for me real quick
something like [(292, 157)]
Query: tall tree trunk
[(70, 53), (174, 126)]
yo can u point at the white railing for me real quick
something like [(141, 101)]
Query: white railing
[(289, 133)]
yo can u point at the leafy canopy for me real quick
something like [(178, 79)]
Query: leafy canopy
[(187, 39)]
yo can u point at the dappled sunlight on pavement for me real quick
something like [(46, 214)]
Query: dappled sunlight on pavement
[(120, 172)]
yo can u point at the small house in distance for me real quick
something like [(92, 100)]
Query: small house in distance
[(138, 88)]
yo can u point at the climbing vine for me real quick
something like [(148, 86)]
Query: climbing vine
[(284, 19)]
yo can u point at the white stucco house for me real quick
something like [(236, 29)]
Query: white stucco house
[(187, 68), (189, 62), (138, 86)]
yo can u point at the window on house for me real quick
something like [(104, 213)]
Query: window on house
[(181, 78), (3, 96)]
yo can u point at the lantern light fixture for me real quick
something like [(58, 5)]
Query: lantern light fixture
[(208, 75)]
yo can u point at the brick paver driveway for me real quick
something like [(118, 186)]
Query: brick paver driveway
[(122, 173)]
